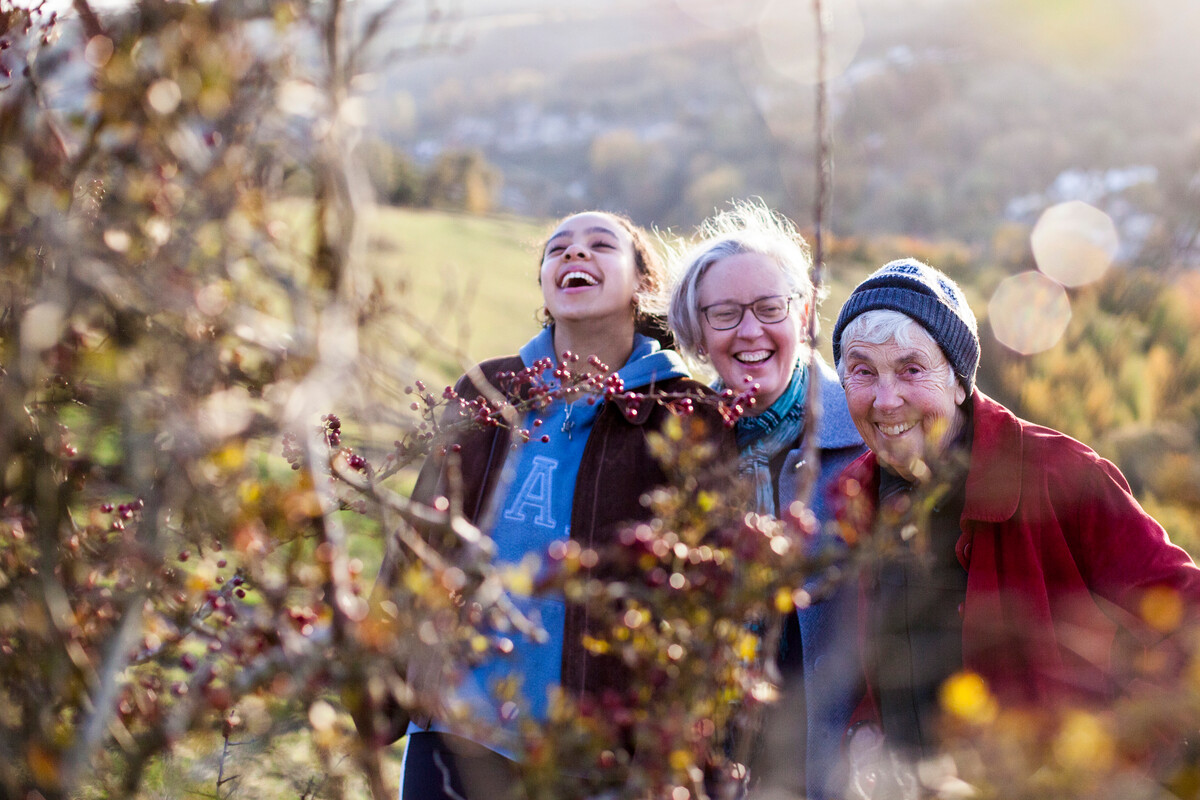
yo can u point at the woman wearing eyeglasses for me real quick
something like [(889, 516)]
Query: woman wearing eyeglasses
[(741, 303)]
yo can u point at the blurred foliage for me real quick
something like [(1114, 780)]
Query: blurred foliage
[(164, 321), (1126, 380), (695, 624), (185, 291), (187, 285)]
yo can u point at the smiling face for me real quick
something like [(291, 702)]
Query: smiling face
[(764, 353), (588, 270), (904, 398)]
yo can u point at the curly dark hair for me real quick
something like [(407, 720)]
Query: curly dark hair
[(649, 314)]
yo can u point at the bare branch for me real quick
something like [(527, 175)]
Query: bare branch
[(812, 404), (91, 22)]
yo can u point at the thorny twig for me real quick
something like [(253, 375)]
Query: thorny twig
[(812, 411)]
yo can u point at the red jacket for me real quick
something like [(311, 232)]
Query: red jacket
[(1058, 555)]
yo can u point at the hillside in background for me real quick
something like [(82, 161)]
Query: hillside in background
[(950, 117), (466, 285)]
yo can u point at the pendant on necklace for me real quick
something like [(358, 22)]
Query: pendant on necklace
[(567, 423)]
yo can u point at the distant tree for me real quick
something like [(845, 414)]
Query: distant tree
[(396, 178), (713, 189), (642, 178), (462, 181)]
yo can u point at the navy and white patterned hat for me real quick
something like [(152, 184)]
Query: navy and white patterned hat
[(929, 297)]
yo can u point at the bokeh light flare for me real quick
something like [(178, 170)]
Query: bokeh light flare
[(1090, 37), (788, 34), (1074, 243), (1029, 312)]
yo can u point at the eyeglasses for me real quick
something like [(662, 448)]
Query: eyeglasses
[(767, 310)]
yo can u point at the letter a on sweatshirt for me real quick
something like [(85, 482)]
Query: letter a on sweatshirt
[(536, 493)]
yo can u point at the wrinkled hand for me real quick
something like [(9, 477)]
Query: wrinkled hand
[(875, 772), (865, 754)]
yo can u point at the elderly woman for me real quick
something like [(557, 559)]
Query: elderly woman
[(741, 302), (1031, 553)]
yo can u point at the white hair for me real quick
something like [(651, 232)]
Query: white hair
[(748, 226), (881, 325)]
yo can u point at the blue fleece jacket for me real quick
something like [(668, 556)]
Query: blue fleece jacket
[(530, 511)]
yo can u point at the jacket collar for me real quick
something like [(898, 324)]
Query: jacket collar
[(994, 478)]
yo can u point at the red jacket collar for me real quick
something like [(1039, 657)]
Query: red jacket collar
[(994, 476)]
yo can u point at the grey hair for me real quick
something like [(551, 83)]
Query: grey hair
[(881, 325), (748, 226)]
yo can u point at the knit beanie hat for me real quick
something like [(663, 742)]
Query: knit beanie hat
[(929, 297)]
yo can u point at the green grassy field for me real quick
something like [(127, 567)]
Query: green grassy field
[(463, 288)]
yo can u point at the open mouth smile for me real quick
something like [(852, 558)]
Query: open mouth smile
[(896, 429), (754, 356), (577, 279)]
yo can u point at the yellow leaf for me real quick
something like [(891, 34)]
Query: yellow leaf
[(201, 580), (1083, 742), (680, 760), (747, 646), (44, 765), (1162, 608), (230, 457), (594, 645), (249, 492), (783, 601), (966, 696), (518, 580)]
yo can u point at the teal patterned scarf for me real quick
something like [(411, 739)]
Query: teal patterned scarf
[(764, 436)]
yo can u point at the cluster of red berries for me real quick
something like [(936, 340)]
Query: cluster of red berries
[(332, 429), (735, 405), (684, 406), (423, 396), (303, 618), (123, 512), (532, 388), (292, 450)]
